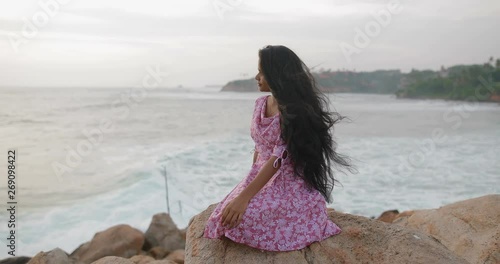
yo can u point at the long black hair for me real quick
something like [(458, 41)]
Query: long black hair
[(305, 118)]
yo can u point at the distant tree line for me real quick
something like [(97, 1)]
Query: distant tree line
[(380, 81), (460, 82)]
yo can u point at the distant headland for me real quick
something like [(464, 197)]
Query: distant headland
[(476, 82)]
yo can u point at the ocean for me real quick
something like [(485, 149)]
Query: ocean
[(88, 159)]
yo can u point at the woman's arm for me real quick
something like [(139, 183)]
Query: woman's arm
[(265, 174), (233, 212), (255, 154)]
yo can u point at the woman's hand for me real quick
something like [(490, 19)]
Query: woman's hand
[(233, 212)]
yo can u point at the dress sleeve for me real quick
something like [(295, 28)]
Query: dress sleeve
[(257, 104), (279, 151)]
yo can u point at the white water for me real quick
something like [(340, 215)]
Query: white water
[(203, 138)]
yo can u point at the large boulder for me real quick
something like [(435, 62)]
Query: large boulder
[(164, 233), (120, 241), (470, 228), (362, 240), (388, 216), (56, 255)]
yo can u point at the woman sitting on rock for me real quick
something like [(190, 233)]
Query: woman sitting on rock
[(281, 204)]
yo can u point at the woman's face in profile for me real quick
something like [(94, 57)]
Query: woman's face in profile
[(261, 81)]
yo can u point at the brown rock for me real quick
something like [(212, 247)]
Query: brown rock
[(113, 260), (15, 260), (403, 214), (141, 259), (362, 240), (164, 233), (158, 252), (470, 228), (163, 261), (56, 255), (82, 246), (120, 241), (177, 256), (388, 216)]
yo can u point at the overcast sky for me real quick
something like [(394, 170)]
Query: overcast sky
[(109, 43)]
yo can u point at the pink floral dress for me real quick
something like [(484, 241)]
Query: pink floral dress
[(284, 215)]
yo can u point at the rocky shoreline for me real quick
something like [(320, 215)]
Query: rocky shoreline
[(162, 243), (463, 232)]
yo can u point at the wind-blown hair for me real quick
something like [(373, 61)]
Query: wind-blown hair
[(305, 119)]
